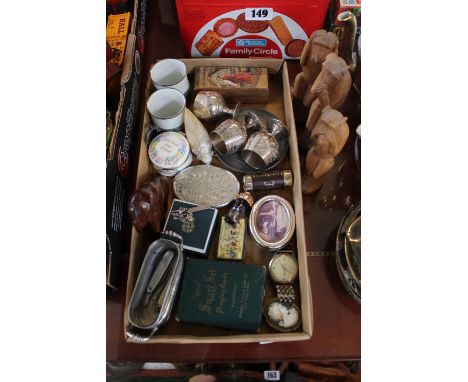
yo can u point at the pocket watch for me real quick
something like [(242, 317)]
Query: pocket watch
[(281, 313), (283, 268), (282, 316)]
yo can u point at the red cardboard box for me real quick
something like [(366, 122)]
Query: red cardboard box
[(249, 28)]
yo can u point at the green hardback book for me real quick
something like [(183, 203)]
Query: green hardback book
[(224, 294)]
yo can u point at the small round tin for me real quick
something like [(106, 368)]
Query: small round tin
[(272, 222), (169, 152)]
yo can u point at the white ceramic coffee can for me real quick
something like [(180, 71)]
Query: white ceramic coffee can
[(170, 73), (166, 107)]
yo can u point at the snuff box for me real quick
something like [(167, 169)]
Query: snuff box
[(206, 184)]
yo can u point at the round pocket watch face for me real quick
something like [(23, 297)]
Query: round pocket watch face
[(283, 268), (282, 316)]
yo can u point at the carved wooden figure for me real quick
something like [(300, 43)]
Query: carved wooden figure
[(329, 135), (331, 87), (319, 45), (147, 204)]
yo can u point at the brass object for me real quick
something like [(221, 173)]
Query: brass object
[(346, 47), (247, 196)]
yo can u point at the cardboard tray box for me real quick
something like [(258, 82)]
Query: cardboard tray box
[(280, 105)]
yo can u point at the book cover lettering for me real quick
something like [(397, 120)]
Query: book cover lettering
[(227, 295)]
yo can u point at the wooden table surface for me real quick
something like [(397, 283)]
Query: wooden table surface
[(337, 317)]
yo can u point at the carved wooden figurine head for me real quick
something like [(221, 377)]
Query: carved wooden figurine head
[(329, 134), (332, 126), (335, 78), (323, 43), (335, 67), (147, 204), (320, 44)]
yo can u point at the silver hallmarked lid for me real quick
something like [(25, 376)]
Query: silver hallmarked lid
[(206, 184)]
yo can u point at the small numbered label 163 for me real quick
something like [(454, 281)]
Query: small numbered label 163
[(271, 375), (263, 14)]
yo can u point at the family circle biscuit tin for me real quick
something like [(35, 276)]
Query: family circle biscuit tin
[(249, 28)]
